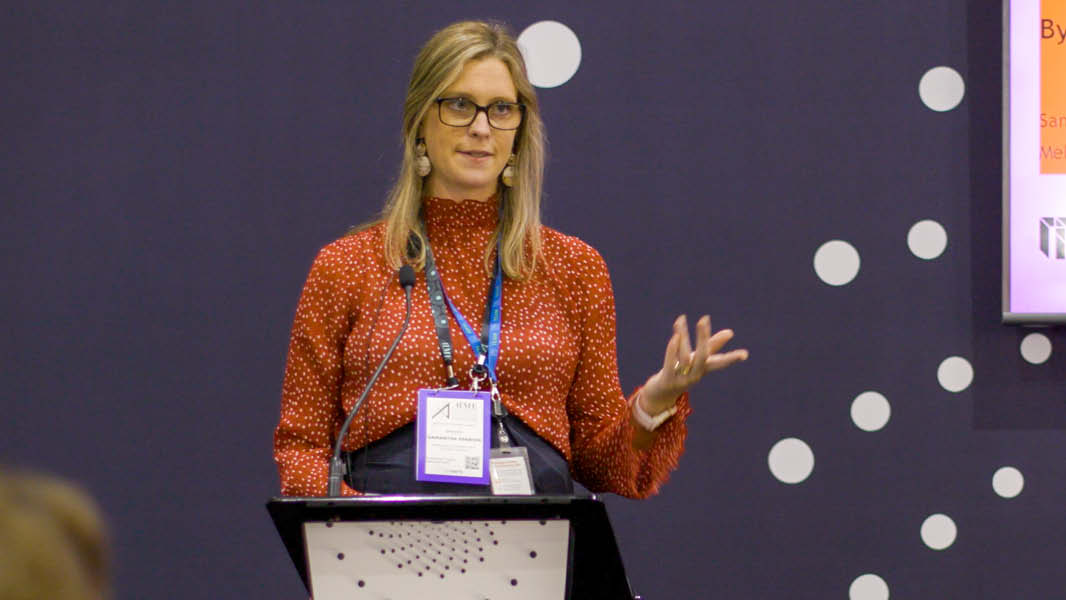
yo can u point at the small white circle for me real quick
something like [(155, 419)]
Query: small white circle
[(938, 531), (955, 374), (791, 460), (870, 411), (927, 239), (1008, 482), (1036, 348), (836, 262), (868, 587), (941, 88), (552, 53)]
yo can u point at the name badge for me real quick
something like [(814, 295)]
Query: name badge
[(510, 472), (453, 436)]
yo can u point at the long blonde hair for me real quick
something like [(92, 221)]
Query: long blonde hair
[(437, 66)]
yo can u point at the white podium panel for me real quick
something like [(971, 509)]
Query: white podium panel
[(423, 560)]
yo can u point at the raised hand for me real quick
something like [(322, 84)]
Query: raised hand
[(683, 366)]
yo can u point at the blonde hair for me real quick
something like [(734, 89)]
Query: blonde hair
[(437, 66), (52, 539)]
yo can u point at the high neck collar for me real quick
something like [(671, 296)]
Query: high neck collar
[(451, 214)]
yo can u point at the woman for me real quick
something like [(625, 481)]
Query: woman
[(468, 199)]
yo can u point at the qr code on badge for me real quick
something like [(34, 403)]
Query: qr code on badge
[(473, 462)]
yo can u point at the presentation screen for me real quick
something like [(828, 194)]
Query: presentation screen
[(1034, 161)]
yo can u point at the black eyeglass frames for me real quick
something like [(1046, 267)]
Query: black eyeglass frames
[(461, 112)]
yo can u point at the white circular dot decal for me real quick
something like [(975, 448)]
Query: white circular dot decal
[(1008, 482), (791, 460), (552, 53), (927, 239), (1036, 348), (870, 411), (836, 262), (941, 88), (868, 587), (938, 531), (955, 374)]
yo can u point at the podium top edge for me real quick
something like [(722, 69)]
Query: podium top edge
[(384, 500)]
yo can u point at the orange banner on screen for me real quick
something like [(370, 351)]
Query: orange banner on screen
[(1053, 86)]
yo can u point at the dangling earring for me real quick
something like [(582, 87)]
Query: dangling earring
[(422, 166), (508, 172)]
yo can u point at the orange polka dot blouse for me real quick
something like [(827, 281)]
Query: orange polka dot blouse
[(557, 369)]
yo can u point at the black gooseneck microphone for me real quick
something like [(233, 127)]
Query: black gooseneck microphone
[(337, 468)]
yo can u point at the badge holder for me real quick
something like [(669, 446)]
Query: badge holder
[(509, 467), (452, 445)]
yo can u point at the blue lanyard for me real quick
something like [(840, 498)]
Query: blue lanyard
[(485, 347)]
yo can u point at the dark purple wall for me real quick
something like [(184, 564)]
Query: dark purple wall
[(169, 170)]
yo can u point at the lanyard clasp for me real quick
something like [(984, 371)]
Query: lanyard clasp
[(498, 413), (478, 373)]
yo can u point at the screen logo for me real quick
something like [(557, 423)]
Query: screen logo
[(1053, 237)]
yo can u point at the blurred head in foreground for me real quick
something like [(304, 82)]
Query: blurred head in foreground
[(53, 544)]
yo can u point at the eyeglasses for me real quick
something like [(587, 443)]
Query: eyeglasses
[(461, 112)]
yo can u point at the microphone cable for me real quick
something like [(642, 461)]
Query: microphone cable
[(337, 468)]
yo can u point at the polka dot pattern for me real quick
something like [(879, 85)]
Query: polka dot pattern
[(1036, 348), (557, 369), (927, 239), (1008, 482), (836, 262), (870, 411), (869, 586), (955, 374), (552, 53), (938, 531), (941, 88), (791, 460)]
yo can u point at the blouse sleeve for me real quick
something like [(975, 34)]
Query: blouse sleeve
[(311, 409), (601, 434)]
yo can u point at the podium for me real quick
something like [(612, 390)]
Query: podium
[(463, 547)]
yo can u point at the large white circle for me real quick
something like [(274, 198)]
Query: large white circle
[(938, 531), (1008, 482), (870, 411), (927, 239), (791, 460), (955, 374), (941, 88), (552, 53), (1036, 348), (836, 262), (868, 587)]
